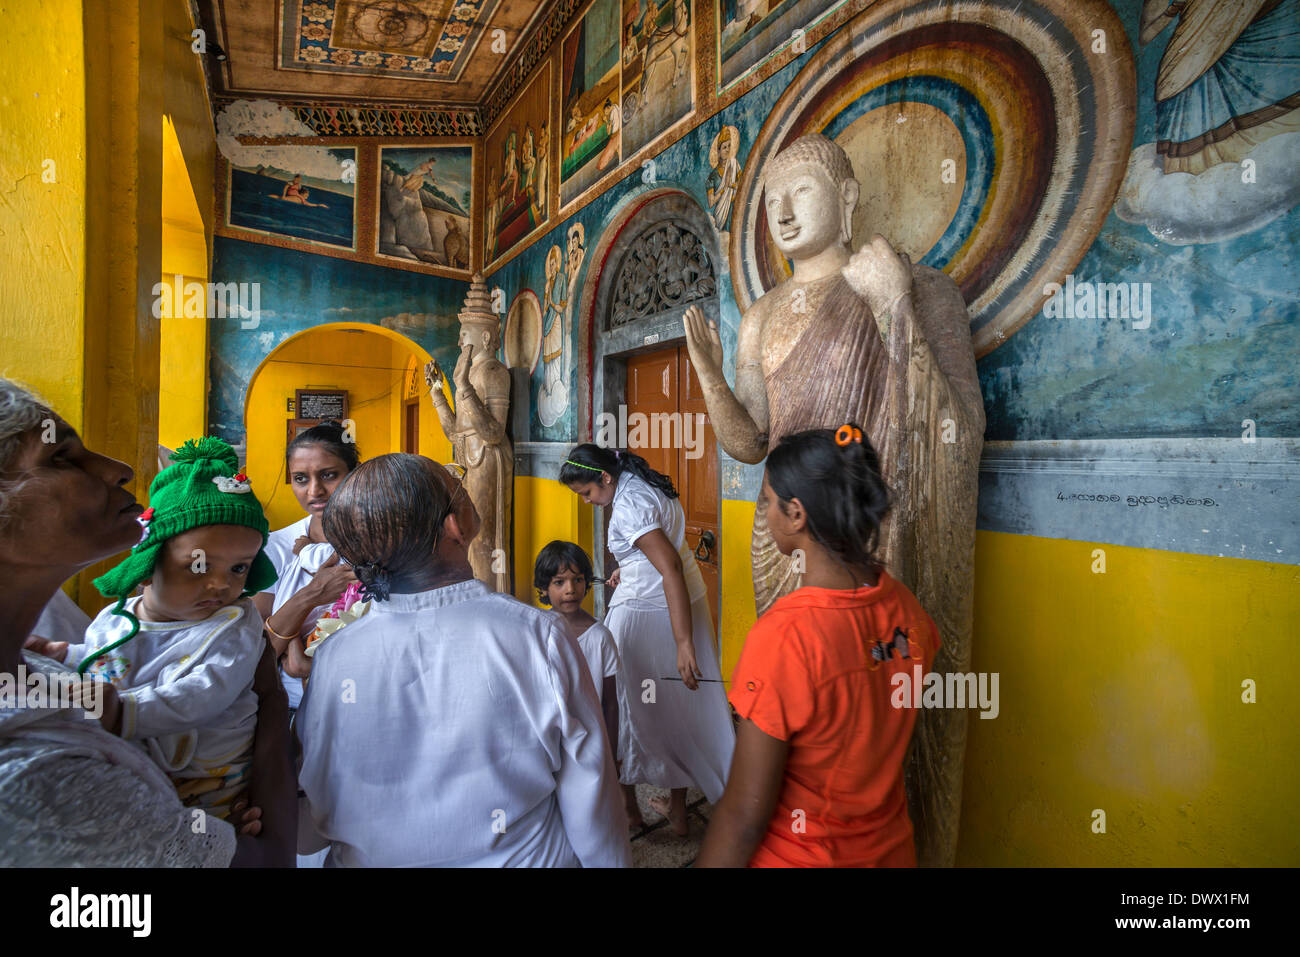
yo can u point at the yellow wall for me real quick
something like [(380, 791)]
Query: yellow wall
[(42, 271), (369, 364), (1122, 692), (737, 583), (1118, 691), (185, 101), (544, 511), (80, 172), (183, 353)]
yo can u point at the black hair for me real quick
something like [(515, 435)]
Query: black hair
[(840, 488), (330, 436), (553, 559), (384, 520), (593, 459)]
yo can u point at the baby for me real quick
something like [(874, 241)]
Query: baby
[(179, 659)]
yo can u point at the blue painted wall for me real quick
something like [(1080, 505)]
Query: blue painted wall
[(300, 290)]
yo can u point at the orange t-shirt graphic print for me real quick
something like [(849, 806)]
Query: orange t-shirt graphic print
[(807, 675)]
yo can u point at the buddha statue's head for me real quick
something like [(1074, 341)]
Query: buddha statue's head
[(809, 196)]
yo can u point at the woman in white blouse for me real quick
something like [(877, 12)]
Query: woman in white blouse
[(450, 725), (311, 578), (672, 732)]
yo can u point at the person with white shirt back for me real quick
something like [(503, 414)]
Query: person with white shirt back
[(451, 725)]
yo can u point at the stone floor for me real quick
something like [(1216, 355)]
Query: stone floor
[(656, 845)]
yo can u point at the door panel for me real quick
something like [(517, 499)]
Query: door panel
[(652, 388), (698, 464), (411, 428)]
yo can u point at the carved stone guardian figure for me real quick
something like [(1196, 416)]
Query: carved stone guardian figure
[(477, 429), (874, 339)]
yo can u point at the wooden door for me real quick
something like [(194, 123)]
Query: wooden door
[(663, 384), (411, 427)]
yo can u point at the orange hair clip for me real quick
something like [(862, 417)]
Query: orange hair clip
[(846, 434)]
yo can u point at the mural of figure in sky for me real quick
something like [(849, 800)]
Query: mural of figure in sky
[(557, 308), (1227, 111)]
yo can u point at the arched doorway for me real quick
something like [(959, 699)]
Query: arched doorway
[(380, 372), (659, 259)]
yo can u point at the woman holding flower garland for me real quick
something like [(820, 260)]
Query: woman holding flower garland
[(311, 576)]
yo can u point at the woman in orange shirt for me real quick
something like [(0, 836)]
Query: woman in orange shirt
[(817, 775)]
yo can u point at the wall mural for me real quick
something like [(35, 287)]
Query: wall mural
[(989, 139), (724, 177), (751, 31), (299, 290), (424, 204), (1227, 109), (300, 192), (658, 82), (517, 154), (558, 300), (406, 203), (590, 115)]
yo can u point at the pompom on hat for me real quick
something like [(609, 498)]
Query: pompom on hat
[(202, 486)]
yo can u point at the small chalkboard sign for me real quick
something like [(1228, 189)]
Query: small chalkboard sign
[(321, 404)]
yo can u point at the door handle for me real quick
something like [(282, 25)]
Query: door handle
[(706, 545)]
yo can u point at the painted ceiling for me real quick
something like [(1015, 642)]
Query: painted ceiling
[(425, 54)]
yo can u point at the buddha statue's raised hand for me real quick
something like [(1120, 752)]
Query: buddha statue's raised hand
[(704, 344), (881, 277)]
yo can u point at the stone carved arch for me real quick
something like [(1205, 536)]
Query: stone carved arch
[(666, 267), (638, 218)]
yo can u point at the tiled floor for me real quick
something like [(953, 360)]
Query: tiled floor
[(656, 845)]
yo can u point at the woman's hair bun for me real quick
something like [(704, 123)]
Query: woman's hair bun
[(375, 580)]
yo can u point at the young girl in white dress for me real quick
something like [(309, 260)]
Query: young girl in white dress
[(675, 728), (562, 576)]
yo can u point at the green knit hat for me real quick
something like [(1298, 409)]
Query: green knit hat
[(202, 486)]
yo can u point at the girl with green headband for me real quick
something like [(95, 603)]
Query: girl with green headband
[(681, 734)]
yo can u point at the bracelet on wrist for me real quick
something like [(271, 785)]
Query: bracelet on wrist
[(266, 625)]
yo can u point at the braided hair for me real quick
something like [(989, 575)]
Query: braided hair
[(839, 486), (586, 462)]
